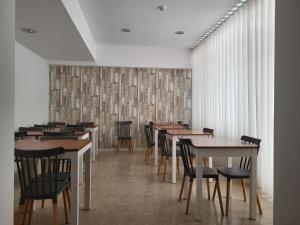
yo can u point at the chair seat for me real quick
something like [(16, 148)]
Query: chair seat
[(61, 176), (38, 191), (233, 173), (207, 173)]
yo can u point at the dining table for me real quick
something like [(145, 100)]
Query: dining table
[(214, 147), (74, 150)]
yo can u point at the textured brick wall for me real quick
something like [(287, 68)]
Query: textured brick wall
[(107, 94)]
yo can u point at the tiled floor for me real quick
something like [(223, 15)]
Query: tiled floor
[(126, 191)]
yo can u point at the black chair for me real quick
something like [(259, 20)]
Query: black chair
[(190, 171), (73, 128), (19, 135), (151, 130), (165, 153), (242, 172), (179, 122), (57, 134), (150, 143), (38, 172), (186, 126), (85, 123), (124, 134), (57, 124), (208, 131), (26, 129), (45, 126)]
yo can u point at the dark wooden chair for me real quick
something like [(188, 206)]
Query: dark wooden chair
[(73, 128), (190, 171), (124, 134), (26, 129), (38, 172), (85, 123), (19, 135), (151, 130), (179, 122), (150, 143), (165, 153), (186, 126), (57, 124), (46, 126), (59, 134), (241, 173)]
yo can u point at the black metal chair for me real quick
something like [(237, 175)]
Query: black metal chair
[(26, 129), (151, 130), (19, 135), (73, 128), (165, 153), (45, 126), (190, 171), (124, 134), (38, 172), (85, 123), (150, 143), (179, 122), (186, 126), (242, 172), (57, 124), (58, 134)]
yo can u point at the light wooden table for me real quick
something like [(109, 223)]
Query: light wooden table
[(208, 147), (74, 149), (174, 135)]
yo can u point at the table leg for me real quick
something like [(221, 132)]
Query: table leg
[(253, 186), (75, 174), (174, 139), (199, 173), (94, 144), (156, 147), (87, 174)]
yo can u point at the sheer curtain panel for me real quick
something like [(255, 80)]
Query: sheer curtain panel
[(233, 81)]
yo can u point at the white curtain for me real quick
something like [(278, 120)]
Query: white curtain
[(233, 81)]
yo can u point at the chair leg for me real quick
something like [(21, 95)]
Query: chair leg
[(25, 211), (65, 206), (19, 214), (131, 145), (68, 197), (30, 211), (43, 204), (177, 162), (165, 171), (214, 193), (189, 197), (208, 188), (258, 204), (55, 215), (118, 146), (182, 186), (160, 162), (220, 196), (244, 191), (227, 196), (146, 156)]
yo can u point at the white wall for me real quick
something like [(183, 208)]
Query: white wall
[(287, 113), (31, 87), (7, 36), (138, 56)]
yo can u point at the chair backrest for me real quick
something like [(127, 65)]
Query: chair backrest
[(186, 126), (148, 135), (245, 162), (163, 142), (123, 129), (32, 164), (186, 156), (19, 135), (25, 129), (151, 130), (85, 123), (45, 138), (56, 134), (179, 122), (208, 131), (57, 124)]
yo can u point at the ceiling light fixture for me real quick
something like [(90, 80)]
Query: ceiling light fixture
[(162, 8), (179, 32), (126, 30), (221, 21), (28, 30)]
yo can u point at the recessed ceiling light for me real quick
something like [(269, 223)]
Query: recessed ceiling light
[(179, 32), (230, 13), (243, 1), (239, 4), (126, 30), (234, 8), (28, 30), (162, 8)]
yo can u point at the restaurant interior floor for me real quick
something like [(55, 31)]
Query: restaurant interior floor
[(126, 191)]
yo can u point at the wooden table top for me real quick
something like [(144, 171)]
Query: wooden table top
[(219, 143), (184, 132), (68, 145), (41, 133), (163, 123)]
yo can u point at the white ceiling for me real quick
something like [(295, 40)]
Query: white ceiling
[(56, 38), (151, 27)]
